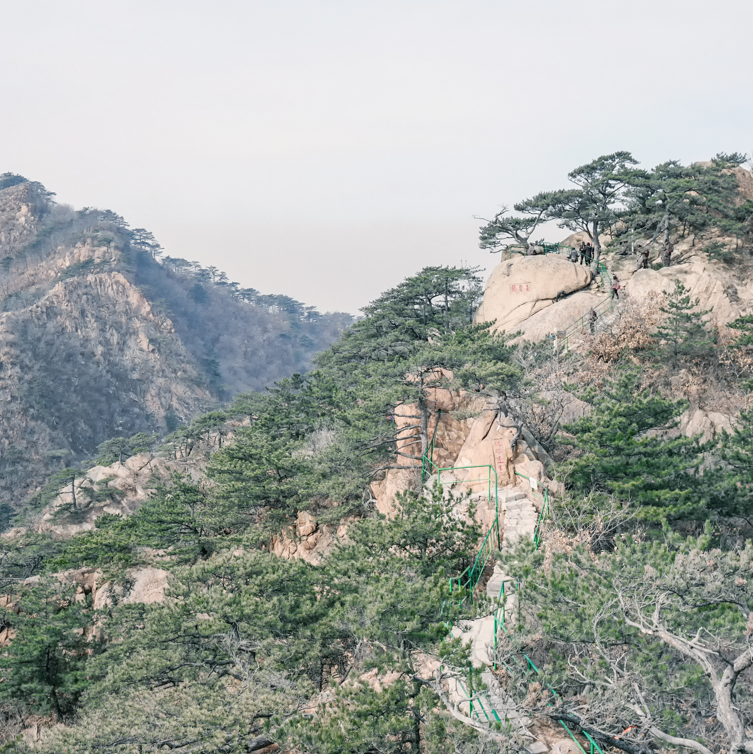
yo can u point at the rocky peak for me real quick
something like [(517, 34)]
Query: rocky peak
[(99, 338)]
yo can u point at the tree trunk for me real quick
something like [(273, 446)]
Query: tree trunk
[(597, 244), (726, 712), (73, 491), (446, 308), (424, 411)]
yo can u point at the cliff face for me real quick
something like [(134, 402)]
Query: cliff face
[(99, 339)]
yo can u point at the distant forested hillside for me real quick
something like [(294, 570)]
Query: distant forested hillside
[(101, 335)]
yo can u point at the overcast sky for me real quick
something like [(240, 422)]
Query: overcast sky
[(326, 149)]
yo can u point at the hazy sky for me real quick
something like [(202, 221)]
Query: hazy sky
[(326, 149)]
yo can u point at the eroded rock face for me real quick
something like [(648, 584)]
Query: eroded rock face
[(724, 289), (147, 586), (395, 482), (561, 314), (450, 422), (306, 524), (521, 287), (708, 424), (308, 541)]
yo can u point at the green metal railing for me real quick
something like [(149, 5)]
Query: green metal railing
[(479, 705), (470, 577), (500, 621), (584, 322), (527, 667)]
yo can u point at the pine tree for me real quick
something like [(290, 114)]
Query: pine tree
[(121, 448), (730, 479), (683, 332), (415, 339), (44, 664), (645, 642), (620, 452)]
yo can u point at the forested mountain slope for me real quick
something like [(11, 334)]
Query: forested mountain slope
[(100, 337), (581, 573)]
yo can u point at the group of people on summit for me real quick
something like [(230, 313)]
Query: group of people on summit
[(586, 253)]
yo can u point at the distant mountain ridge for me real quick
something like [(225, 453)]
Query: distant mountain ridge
[(100, 336)]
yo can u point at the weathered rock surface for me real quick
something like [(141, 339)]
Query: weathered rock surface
[(708, 424), (521, 287), (99, 339), (308, 540), (561, 314), (146, 586), (452, 419), (726, 290)]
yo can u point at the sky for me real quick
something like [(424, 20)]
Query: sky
[(327, 149)]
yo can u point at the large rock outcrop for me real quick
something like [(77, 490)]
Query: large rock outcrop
[(521, 288), (725, 289), (468, 432)]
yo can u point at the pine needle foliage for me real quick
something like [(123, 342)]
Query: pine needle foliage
[(652, 636), (44, 663), (683, 333), (621, 451)]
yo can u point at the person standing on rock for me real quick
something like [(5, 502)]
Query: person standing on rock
[(589, 254), (666, 253), (615, 287), (582, 250), (592, 317), (644, 257), (574, 255)]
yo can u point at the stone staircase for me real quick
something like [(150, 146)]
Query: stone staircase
[(520, 517), (519, 514)]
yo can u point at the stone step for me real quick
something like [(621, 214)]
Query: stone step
[(503, 495), (522, 500), (494, 584), (501, 703), (522, 505), (514, 537), (479, 634), (493, 589)]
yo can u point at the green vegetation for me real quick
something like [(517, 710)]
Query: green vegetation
[(251, 639), (683, 331), (635, 610), (121, 448), (44, 664), (649, 642), (620, 452), (613, 195), (90, 360)]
